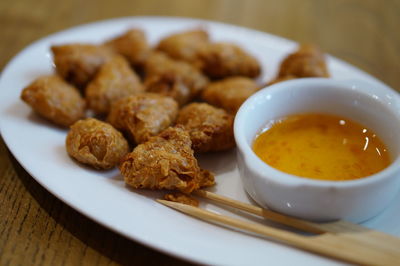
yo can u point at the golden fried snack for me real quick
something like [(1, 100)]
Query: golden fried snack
[(157, 63), (96, 143), (182, 198), (114, 80), (229, 93), (133, 45), (220, 60), (165, 161), (210, 128), (207, 178), (184, 45), (143, 115), (307, 61), (78, 63), (54, 99), (176, 79)]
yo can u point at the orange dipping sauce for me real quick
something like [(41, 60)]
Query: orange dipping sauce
[(321, 147)]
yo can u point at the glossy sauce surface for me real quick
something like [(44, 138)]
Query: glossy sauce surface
[(322, 147)]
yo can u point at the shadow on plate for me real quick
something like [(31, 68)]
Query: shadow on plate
[(218, 162), (18, 110), (112, 173)]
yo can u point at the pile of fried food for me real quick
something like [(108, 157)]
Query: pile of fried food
[(155, 108)]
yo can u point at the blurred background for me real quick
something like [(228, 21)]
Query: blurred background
[(38, 229), (362, 32)]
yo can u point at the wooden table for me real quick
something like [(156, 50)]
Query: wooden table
[(38, 229)]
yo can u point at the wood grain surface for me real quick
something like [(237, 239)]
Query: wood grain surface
[(38, 229)]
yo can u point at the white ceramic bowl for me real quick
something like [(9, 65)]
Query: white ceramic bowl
[(373, 105)]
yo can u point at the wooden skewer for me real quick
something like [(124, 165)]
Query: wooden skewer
[(374, 238), (268, 214), (332, 245), (311, 227)]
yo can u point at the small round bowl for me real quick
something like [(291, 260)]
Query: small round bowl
[(370, 103)]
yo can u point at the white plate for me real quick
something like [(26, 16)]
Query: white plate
[(102, 196)]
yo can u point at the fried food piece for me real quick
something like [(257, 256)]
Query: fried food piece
[(114, 80), (307, 61), (165, 161), (207, 178), (143, 115), (210, 128), (78, 63), (133, 45), (220, 60), (229, 93), (157, 63), (54, 99), (176, 79), (96, 143), (182, 198), (184, 45)]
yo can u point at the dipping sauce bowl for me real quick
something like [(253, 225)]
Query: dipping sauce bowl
[(371, 104)]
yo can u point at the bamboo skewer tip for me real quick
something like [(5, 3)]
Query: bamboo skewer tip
[(358, 246)]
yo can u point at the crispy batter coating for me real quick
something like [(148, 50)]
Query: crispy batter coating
[(78, 63), (182, 198), (307, 61), (165, 161), (96, 143), (176, 79), (157, 63), (207, 178), (220, 60), (210, 128), (229, 93), (114, 80), (143, 115), (184, 45), (54, 99), (133, 45)]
